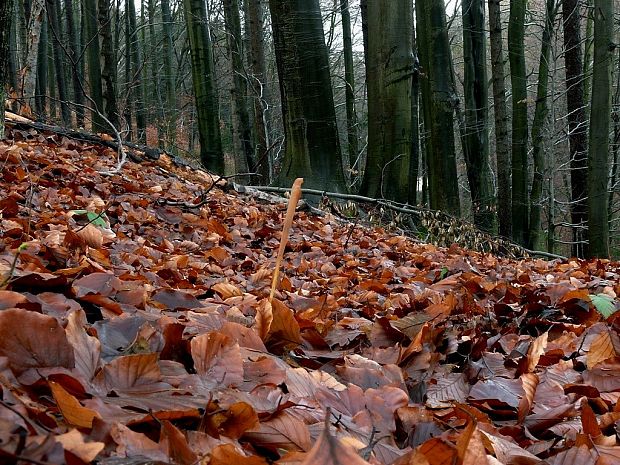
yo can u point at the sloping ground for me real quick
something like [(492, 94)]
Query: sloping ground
[(136, 329)]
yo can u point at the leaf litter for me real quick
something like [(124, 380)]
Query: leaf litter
[(136, 326)]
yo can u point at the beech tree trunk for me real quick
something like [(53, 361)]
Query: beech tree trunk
[(108, 71), (254, 12), (242, 132), (349, 77), (518, 78), (438, 103), (33, 35), (137, 88), (476, 146), (500, 115), (211, 154), (91, 40), (535, 235), (6, 13), (170, 108), (600, 111), (312, 143), (576, 116), (53, 12), (75, 52), (388, 75)]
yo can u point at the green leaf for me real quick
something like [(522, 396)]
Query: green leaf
[(97, 219), (604, 304)]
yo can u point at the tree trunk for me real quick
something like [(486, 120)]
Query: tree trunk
[(312, 143), (6, 13), (91, 40), (170, 115), (136, 70), (438, 102), (535, 235), (76, 55), (211, 154), (260, 92), (518, 78), (244, 150), (40, 99), (600, 110), (349, 77), (28, 72), (476, 147), (414, 154), (500, 113), (13, 65), (388, 76), (109, 71), (53, 16), (587, 54), (576, 116)]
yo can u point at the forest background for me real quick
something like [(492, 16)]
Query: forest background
[(502, 112)]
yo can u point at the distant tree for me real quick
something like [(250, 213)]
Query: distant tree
[(90, 39), (500, 114), (6, 13), (53, 15), (535, 235), (312, 143), (42, 71), (438, 101), (108, 71), (242, 139), (476, 138), (254, 16), (349, 77), (518, 78), (600, 111), (34, 18), (75, 58), (170, 110), (576, 116), (388, 76), (211, 154), (136, 88)]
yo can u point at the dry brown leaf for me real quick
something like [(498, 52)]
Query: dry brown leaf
[(74, 442), (73, 412)]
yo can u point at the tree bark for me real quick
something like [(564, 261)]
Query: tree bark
[(260, 89), (242, 132), (41, 85), (136, 72), (438, 102), (518, 78), (476, 147), (388, 76), (600, 110), (170, 113), (414, 155), (28, 72), (53, 16), (500, 114), (576, 116), (312, 142), (91, 40), (211, 154), (75, 52), (108, 71), (349, 77), (6, 13)]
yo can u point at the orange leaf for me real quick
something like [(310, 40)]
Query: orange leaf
[(288, 221), (72, 411), (226, 454)]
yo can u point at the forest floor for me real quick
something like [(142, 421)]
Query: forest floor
[(135, 328)]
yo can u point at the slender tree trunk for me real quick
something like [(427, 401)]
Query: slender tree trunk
[(51, 85), (6, 13), (75, 51), (414, 155), (476, 147), (600, 110), (576, 116), (53, 12), (40, 100), (535, 235), (244, 149), (12, 64), (127, 111), (136, 66), (388, 74), (518, 78), (364, 13), (91, 39), (154, 99), (438, 105), (204, 86), (500, 113), (587, 54), (260, 90), (349, 77), (108, 71), (28, 72), (312, 142), (170, 115)]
